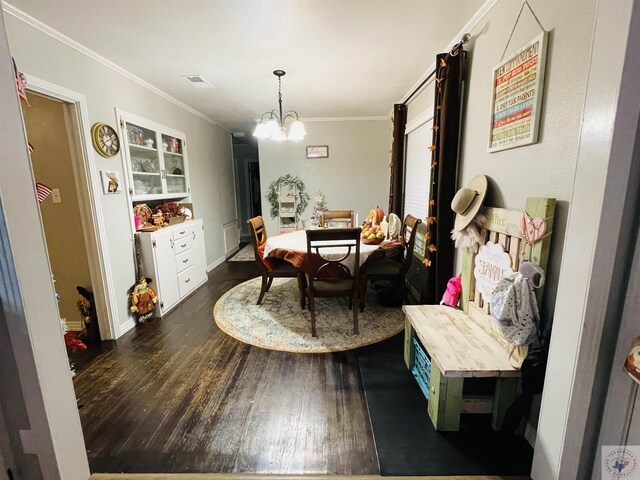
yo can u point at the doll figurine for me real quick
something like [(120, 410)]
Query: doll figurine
[(452, 294), (143, 300)]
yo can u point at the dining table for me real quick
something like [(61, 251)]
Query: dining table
[(292, 247)]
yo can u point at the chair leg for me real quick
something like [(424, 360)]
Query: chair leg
[(356, 308), (312, 307), (269, 284), (363, 291), (302, 287), (263, 289)]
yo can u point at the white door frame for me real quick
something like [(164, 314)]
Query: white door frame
[(89, 190)]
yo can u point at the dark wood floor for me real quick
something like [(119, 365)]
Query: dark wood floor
[(178, 395)]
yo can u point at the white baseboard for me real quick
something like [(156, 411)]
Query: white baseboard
[(530, 434), (126, 326), (232, 253), (217, 262)]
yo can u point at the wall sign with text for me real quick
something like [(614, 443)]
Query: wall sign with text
[(492, 263), (518, 82)]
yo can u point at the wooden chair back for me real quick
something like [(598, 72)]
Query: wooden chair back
[(504, 227), (408, 239), (334, 268), (344, 217), (258, 238)]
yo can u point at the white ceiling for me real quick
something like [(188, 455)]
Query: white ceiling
[(344, 58)]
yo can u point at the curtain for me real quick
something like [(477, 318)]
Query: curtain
[(440, 249), (396, 187)]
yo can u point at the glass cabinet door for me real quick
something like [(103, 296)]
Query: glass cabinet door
[(146, 170), (175, 174)]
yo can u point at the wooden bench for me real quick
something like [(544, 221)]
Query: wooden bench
[(464, 343)]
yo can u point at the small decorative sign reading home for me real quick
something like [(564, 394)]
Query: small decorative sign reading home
[(318, 151), (491, 264), (517, 95)]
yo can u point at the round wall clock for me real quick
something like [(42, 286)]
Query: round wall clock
[(105, 140)]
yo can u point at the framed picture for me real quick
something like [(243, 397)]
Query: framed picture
[(317, 151), (111, 182), (516, 97)]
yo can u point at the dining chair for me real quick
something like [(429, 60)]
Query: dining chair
[(327, 274), (282, 269), (337, 218), (395, 269)]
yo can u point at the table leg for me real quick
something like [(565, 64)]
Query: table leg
[(302, 288)]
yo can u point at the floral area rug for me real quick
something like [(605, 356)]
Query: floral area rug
[(280, 324), (244, 255)]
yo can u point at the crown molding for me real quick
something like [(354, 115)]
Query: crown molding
[(468, 28), (55, 34), (346, 119)]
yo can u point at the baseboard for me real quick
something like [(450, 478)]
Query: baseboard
[(232, 252), (216, 263), (530, 434), (126, 326)]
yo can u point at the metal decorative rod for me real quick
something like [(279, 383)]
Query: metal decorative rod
[(453, 52)]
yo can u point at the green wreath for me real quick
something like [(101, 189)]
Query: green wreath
[(291, 181)]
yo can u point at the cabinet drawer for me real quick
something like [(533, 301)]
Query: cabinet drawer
[(182, 231), (184, 260), (187, 281), (182, 244)]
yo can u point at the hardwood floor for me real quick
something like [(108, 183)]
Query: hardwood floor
[(214, 476), (178, 395)]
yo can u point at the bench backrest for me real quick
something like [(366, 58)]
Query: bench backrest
[(504, 227)]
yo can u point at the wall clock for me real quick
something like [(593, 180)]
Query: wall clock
[(105, 140)]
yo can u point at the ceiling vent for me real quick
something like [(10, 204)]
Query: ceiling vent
[(197, 81)]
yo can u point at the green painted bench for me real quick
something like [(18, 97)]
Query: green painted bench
[(462, 343)]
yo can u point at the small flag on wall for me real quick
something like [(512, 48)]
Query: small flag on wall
[(42, 192), (21, 82)]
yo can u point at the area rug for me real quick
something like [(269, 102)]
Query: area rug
[(244, 255), (280, 324)]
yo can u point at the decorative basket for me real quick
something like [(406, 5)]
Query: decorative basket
[(375, 241), (174, 220)]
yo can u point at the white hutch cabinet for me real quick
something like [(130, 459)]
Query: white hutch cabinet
[(156, 157), (174, 258)]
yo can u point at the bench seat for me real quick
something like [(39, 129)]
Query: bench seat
[(458, 345)]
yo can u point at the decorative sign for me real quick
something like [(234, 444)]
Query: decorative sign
[(517, 95), (491, 264)]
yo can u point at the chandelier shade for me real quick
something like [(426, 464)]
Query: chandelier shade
[(272, 124)]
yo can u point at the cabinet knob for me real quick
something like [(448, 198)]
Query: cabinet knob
[(183, 232), (187, 280), (185, 260), (183, 245)]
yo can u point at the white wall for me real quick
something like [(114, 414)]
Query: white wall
[(210, 163), (354, 177)]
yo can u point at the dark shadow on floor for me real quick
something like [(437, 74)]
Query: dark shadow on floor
[(406, 441)]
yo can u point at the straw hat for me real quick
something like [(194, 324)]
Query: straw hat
[(468, 201)]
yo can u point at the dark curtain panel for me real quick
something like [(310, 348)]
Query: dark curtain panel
[(444, 172), (396, 187)]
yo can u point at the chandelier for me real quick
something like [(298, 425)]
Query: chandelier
[(272, 124)]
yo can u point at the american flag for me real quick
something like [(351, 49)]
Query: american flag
[(21, 82), (42, 191)]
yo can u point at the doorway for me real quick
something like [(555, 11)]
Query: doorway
[(248, 195), (49, 134)]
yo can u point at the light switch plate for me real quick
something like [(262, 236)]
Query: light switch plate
[(55, 196)]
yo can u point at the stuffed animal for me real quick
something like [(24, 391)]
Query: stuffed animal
[(143, 300), (452, 294)]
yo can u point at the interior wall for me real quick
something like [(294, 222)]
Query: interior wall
[(354, 177), (210, 162), (53, 166)]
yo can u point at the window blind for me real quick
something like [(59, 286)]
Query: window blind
[(418, 171)]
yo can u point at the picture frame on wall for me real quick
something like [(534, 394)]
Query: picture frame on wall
[(317, 151), (111, 182), (516, 97)]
